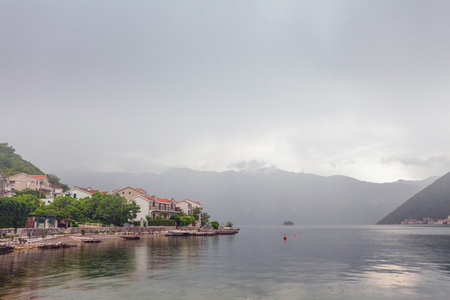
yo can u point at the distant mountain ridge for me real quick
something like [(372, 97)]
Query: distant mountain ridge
[(265, 196), (432, 202)]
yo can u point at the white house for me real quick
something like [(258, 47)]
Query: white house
[(79, 193), (152, 206), (57, 190)]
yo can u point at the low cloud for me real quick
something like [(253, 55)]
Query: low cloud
[(251, 165)]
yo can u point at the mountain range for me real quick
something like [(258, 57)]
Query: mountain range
[(264, 196)]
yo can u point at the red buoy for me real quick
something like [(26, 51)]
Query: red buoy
[(284, 237), (294, 234)]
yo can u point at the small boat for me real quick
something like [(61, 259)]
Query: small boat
[(288, 223), (130, 237), (90, 240)]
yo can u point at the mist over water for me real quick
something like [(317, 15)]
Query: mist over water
[(346, 262)]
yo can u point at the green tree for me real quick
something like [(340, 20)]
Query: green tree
[(176, 218), (53, 179), (111, 209), (186, 220), (62, 206), (205, 218), (196, 212), (229, 224), (100, 208), (215, 224), (30, 192), (14, 211)]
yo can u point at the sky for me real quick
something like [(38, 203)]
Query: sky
[(355, 88)]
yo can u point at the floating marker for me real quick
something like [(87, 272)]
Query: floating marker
[(284, 237), (294, 234)]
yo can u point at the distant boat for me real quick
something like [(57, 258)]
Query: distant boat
[(288, 223)]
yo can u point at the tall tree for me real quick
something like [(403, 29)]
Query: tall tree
[(100, 208), (14, 211)]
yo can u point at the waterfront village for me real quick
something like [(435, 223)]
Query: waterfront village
[(151, 207), (426, 221)]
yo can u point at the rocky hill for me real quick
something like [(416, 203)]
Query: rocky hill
[(432, 202)]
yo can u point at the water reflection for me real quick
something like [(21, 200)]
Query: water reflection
[(34, 270), (332, 263)]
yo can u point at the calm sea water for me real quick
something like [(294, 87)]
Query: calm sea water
[(364, 262)]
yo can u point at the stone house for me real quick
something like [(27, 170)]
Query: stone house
[(188, 206), (129, 192), (5, 187), (24, 181)]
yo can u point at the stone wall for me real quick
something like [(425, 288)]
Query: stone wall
[(7, 231), (41, 232)]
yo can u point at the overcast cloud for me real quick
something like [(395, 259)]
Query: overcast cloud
[(356, 88)]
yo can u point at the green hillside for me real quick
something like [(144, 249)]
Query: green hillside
[(432, 202), (12, 163)]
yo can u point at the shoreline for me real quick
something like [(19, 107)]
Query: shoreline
[(69, 240)]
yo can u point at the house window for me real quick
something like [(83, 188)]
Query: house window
[(129, 193), (75, 196), (123, 193)]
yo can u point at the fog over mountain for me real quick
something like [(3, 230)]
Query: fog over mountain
[(264, 196)]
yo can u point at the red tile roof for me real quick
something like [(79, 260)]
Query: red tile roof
[(88, 190), (185, 200), (163, 200), (39, 176), (141, 190)]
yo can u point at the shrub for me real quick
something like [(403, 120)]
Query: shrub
[(161, 223), (168, 223), (187, 219), (83, 232), (215, 224)]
